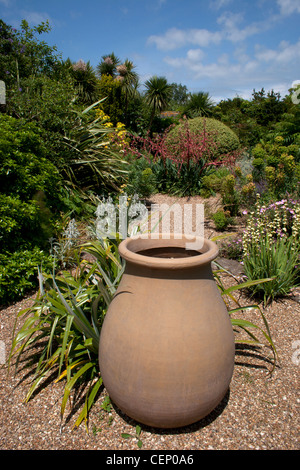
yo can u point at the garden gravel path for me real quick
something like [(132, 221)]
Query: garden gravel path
[(259, 412)]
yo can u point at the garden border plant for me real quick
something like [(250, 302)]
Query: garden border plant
[(271, 247), (181, 161)]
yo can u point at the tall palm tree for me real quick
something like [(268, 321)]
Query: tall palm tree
[(199, 104), (158, 94)]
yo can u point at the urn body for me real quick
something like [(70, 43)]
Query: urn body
[(166, 351)]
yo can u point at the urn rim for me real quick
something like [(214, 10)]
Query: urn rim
[(130, 247)]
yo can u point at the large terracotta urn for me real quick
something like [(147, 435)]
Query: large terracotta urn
[(166, 351)]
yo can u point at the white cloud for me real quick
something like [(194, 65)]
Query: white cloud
[(230, 20), (232, 32), (286, 54), (220, 70), (172, 39), (288, 7), (195, 54), (175, 38), (230, 29)]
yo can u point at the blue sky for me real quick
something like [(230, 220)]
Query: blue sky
[(224, 47)]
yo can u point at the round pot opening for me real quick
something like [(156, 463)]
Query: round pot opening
[(168, 250)]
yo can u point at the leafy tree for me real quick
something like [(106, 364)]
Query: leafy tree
[(39, 87), (137, 116), (289, 125), (42, 100), (235, 113), (267, 109), (25, 169), (179, 96), (22, 54), (157, 95)]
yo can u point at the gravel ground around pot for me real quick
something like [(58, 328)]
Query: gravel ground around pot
[(259, 412)]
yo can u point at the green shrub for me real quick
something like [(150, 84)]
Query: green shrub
[(141, 179), (189, 181), (275, 168), (19, 273), (226, 141), (24, 167), (259, 152), (29, 197), (222, 219), (166, 175), (27, 179), (48, 104), (212, 184), (258, 163), (230, 196), (272, 160), (19, 223), (113, 103)]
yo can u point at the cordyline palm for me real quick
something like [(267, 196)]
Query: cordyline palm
[(199, 104), (85, 80), (129, 79), (157, 95), (108, 65)]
